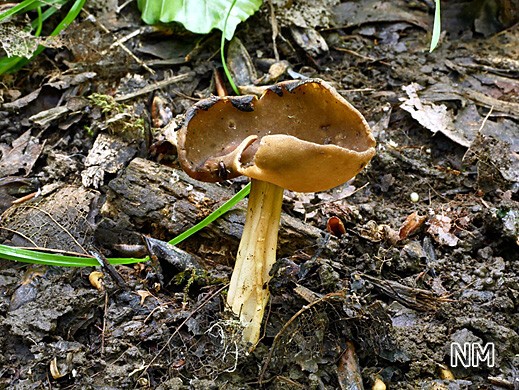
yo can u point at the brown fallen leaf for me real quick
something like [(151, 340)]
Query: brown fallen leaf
[(335, 226), (143, 294), (21, 156), (411, 224)]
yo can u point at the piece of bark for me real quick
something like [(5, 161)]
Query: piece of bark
[(163, 202), (108, 155), (61, 217)]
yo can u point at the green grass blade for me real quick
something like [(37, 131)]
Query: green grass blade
[(37, 257), (213, 216), (437, 27), (39, 23), (17, 8), (70, 17)]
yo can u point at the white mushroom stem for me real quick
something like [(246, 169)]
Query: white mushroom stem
[(248, 290)]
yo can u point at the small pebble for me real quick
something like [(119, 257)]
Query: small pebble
[(414, 197)]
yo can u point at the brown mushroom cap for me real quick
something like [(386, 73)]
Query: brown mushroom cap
[(299, 135)]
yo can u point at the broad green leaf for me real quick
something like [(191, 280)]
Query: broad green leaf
[(198, 16)]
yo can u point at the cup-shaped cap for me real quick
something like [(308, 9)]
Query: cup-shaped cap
[(299, 135)]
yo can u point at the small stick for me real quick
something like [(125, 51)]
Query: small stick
[(275, 30), (103, 331), (153, 87), (348, 371), (118, 43), (218, 84), (354, 53), (26, 198), (110, 269)]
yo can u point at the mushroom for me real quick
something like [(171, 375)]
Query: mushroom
[(299, 135)]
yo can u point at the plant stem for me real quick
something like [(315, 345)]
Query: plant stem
[(248, 290)]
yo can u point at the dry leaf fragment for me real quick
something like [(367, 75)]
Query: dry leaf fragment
[(335, 226), (21, 156), (434, 117), (439, 229), (411, 224), (143, 294), (348, 370), (375, 233), (446, 374), (96, 279), (54, 370)]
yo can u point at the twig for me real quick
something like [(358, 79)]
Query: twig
[(501, 382), (485, 119), (103, 331), (153, 87), (110, 269), (348, 371), (126, 38), (483, 123), (354, 53), (118, 43), (20, 234), (219, 84), (26, 198), (275, 30)]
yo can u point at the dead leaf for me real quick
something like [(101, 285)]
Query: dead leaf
[(335, 226), (433, 117), (96, 280), (411, 224), (143, 294), (21, 156), (439, 229)]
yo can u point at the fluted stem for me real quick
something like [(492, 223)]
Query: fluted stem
[(248, 290)]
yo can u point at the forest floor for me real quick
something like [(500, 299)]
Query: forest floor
[(428, 258)]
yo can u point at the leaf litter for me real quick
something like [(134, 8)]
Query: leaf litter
[(400, 282)]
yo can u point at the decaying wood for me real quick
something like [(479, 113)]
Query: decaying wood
[(61, 218), (164, 202), (109, 154)]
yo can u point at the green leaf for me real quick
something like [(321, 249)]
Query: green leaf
[(213, 216), (198, 16)]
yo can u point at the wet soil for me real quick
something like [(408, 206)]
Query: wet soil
[(375, 281)]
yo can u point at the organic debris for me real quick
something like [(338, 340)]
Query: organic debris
[(415, 254)]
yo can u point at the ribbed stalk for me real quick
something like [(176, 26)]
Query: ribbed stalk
[(248, 290)]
